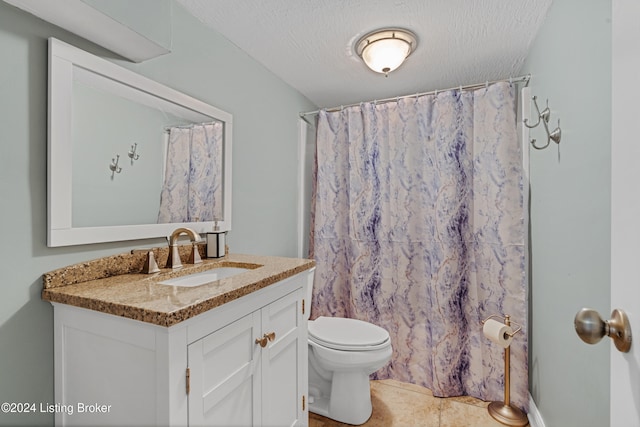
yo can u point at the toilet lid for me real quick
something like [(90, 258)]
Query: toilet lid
[(347, 334)]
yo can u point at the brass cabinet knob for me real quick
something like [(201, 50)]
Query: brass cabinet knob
[(265, 339), (591, 328)]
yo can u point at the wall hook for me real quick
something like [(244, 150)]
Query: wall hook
[(132, 153), (543, 117), (114, 166), (556, 134)]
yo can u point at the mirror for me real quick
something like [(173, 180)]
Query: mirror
[(130, 158)]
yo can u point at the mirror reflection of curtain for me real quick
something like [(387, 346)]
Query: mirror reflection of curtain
[(192, 189)]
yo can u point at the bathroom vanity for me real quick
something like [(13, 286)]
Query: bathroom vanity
[(222, 342), (132, 351)]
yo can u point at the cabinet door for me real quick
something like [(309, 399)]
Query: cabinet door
[(282, 369), (225, 375)]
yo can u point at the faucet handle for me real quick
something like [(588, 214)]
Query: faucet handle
[(194, 257), (150, 264)]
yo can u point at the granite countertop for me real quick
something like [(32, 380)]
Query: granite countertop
[(115, 285)]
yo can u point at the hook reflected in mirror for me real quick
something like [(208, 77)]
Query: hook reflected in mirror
[(114, 166), (132, 153)]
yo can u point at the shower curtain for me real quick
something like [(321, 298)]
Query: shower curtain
[(418, 227), (192, 189)]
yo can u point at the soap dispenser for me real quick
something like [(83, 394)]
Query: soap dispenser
[(216, 242)]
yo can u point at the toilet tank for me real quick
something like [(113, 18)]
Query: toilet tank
[(309, 286)]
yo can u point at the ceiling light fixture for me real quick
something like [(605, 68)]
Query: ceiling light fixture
[(386, 49)]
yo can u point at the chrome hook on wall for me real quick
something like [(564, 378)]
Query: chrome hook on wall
[(543, 117), (132, 153), (114, 166)]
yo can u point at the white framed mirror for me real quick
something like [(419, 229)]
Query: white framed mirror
[(130, 158)]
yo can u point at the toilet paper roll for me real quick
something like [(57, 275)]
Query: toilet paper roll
[(498, 332)]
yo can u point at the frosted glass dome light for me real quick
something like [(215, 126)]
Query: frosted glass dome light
[(385, 50)]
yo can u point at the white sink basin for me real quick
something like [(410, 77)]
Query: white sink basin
[(204, 277)]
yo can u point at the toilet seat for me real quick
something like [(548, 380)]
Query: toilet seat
[(347, 334)]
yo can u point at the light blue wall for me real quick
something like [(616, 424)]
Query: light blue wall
[(203, 65), (106, 126), (570, 62)]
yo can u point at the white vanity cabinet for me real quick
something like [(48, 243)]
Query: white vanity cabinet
[(211, 369), (236, 381)]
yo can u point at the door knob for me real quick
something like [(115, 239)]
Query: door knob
[(591, 328)]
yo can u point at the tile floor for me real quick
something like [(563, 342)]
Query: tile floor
[(397, 404)]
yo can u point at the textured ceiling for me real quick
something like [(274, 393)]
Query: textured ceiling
[(309, 43)]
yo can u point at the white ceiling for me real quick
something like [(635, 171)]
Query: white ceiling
[(309, 43)]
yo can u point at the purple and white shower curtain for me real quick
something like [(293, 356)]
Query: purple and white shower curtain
[(418, 227), (192, 189)]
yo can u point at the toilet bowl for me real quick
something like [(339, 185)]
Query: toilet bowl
[(342, 354)]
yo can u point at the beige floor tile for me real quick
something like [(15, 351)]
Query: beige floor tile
[(406, 386), (320, 421), (394, 405), (399, 407), (316, 421), (397, 404), (458, 414), (470, 401)]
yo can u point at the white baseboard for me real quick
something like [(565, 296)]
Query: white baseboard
[(535, 418)]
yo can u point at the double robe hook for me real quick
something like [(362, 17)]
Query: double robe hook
[(543, 117), (114, 166), (132, 153)]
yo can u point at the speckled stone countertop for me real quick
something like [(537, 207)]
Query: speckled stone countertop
[(115, 285)]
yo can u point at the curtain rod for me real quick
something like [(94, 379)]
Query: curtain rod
[(189, 126), (395, 98)]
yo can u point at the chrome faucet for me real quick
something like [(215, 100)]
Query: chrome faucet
[(173, 260)]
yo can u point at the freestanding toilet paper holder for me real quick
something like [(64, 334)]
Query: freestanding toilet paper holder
[(503, 412)]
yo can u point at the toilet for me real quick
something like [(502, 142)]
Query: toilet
[(342, 354)]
